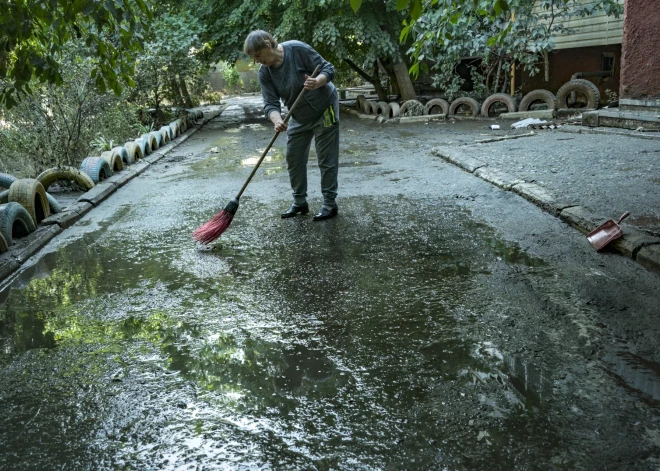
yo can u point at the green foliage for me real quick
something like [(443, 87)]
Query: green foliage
[(56, 124), (35, 33), (330, 26), (232, 78), (169, 56), (496, 32), (101, 144), (145, 128)]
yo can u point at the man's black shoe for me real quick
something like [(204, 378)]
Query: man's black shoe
[(325, 213), (295, 209)]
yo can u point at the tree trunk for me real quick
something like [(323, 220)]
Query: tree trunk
[(403, 79), (497, 78), (382, 94), (387, 65), (178, 100), (186, 95)]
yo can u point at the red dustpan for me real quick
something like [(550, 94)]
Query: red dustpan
[(606, 233)]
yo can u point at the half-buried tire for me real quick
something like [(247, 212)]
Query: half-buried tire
[(52, 175), (167, 130), (15, 222), (545, 97), (436, 106), (123, 153), (30, 193), (96, 168), (462, 103), (114, 160), (5, 182), (134, 152), (145, 145)]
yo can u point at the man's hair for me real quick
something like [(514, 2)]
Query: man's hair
[(258, 40)]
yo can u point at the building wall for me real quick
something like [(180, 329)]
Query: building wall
[(640, 71), (566, 62), (595, 30)]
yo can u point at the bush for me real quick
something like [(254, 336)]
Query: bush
[(232, 78), (56, 125)]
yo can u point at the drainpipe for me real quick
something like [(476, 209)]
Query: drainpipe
[(513, 63), (600, 73)]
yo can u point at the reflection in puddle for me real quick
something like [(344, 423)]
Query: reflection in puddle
[(312, 346), (635, 373)]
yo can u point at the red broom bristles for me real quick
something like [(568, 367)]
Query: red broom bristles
[(208, 232), (213, 229)]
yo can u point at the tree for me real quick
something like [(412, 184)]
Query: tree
[(496, 32), (34, 33), (362, 39), (169, 56)]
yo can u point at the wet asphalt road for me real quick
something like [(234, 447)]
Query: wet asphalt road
[(437, 323)]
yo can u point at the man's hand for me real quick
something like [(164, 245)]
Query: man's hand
[(314, 83), (278, 123)]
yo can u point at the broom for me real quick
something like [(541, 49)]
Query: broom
[(219, 223)]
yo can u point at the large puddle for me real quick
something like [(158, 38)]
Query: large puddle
[(320, 346), (352, 344)]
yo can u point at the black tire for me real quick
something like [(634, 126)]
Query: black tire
[(50, 176), (432, 106), (3, 244), (545, 96), (394, 109), (30, 193), (6, 180), (507, 100), (134, 152), (97, 168), (4, 197), (584, 87), (465, 101), (382, 109), (15, 222), (411, 105)]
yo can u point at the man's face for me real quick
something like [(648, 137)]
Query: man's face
[(264, 56)]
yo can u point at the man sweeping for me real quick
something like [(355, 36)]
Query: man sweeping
[(286, 69)]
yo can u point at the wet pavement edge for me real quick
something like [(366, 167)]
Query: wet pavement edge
[(13, 259)]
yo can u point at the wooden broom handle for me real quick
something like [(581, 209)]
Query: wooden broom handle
[(277, 133)]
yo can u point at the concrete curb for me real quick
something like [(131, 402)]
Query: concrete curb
[(587, 130), (635, 244), (22, 249)]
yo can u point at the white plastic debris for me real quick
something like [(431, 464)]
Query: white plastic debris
[(526, 122), (494, 126), (214, 150)]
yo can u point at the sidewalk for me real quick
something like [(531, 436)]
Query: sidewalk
[(585, 179)]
